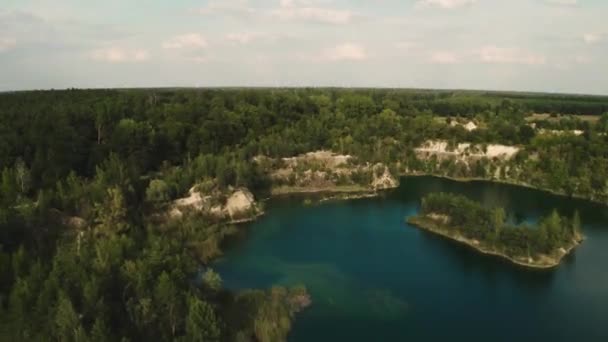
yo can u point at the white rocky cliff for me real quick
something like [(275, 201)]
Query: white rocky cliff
[(240, 204)]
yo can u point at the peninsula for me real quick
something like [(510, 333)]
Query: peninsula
[(487, 231)]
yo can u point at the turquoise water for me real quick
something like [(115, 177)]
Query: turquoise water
[(374, 278)]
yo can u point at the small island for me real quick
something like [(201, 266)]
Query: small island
[(487, 231)]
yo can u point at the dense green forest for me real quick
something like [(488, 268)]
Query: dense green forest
[(490, 226), (84, 171)]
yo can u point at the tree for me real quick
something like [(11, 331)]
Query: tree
[(554, 227), (167, 300), (22, 173), (102, 119), (212, 280), (142, 312), (526, 133), (67, 323), (112, 213), (100, 331), (20, 261), (201, 323), (19, 306), (157, 191), (223, 172), (8, 187), (498, 220), (603, 122)]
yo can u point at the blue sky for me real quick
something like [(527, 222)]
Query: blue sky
[(537, 45)]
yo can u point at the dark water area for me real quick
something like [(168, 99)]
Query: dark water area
[(373, 277)]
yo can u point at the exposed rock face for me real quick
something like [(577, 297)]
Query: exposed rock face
[(469, 126), (241, 201), (466, 150), (328, 170), (194, 200), (575, 132), (385, 180), (325, 158)]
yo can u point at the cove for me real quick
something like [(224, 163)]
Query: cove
[(374, 278)]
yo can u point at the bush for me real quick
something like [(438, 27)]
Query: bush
[(157, 191)]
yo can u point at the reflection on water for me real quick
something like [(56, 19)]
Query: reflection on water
[(373, 277)]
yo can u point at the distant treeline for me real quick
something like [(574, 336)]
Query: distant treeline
[(59, 131)]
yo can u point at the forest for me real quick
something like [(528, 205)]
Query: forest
[(489, 225), (84, 171)]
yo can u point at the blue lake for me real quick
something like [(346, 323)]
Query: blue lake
[(373, 277)]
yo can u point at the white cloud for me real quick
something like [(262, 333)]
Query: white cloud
[(7, 43), (289, 10), (445, 4), (247, 37), (120, 55), (562, 2), (188, 40), (191, 47), (591, 38), (500, 55), (489, 54), (233, 7), (445, 57), (343, 52)]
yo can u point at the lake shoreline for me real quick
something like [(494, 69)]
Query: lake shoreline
[(339, 189), (507, 182), (330, 193), (288, 190), (543, 262)]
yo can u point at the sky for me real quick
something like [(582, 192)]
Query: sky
[(525, 45)]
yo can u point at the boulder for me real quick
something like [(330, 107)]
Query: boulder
[(240, 201)]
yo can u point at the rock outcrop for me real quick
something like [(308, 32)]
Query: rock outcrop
[(239, 204), (441, 149), (385, 180), (469, 126), (328, 171), (241, 201)]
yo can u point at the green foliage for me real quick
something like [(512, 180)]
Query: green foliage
[(201, 323), (168, 304), (67, 323), (112, 213), (90, 154), (489, 225), (212, 280), (157, 191), (267, 316)]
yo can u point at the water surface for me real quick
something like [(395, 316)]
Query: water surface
[(375, 278)]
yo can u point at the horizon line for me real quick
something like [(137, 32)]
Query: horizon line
[(531, 92)]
